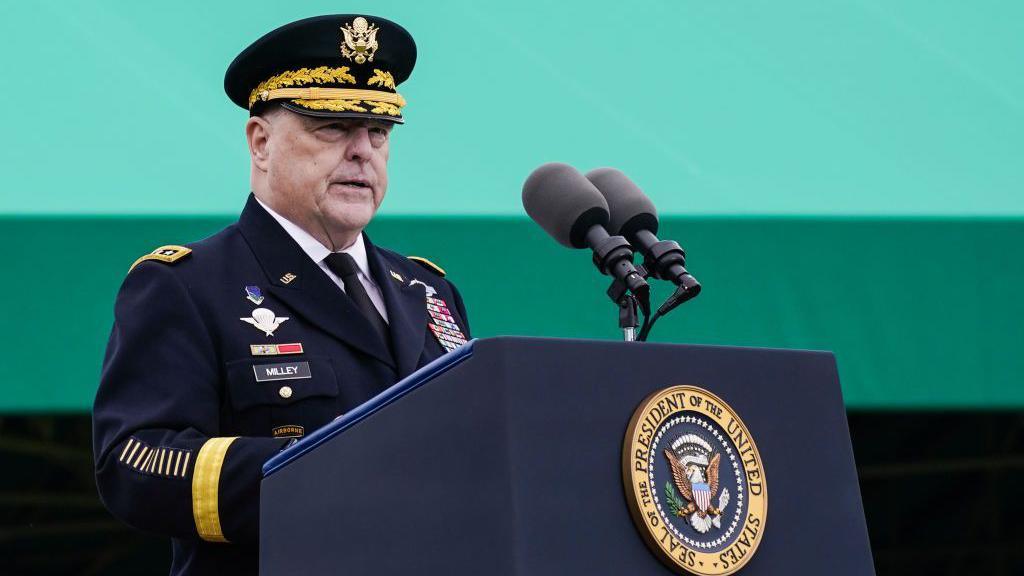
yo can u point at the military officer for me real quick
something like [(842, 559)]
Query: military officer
[(226, 349)]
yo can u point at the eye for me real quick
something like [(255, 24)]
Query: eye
[(334, 127), (378, 134)]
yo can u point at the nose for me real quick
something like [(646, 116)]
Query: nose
[(359, 146)]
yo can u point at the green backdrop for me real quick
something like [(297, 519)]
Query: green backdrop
[(845, 175)]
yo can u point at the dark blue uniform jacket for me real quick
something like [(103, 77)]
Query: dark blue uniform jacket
[(181, 424)]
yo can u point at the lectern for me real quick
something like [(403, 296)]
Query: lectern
[(533, 456)]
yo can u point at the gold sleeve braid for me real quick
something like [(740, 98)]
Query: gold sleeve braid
[(206, 486)]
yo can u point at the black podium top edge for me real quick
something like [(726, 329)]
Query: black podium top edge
[(344, 422)]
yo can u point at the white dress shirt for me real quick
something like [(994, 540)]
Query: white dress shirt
[(318, 252)]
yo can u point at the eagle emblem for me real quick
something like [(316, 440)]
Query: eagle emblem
[(695, 475), (360, 40)]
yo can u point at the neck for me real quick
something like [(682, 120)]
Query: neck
[(337, 241), (315, 225)]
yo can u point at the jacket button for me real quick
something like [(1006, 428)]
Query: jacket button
[(285, 391)]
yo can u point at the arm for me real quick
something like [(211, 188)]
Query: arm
[(162, 464)]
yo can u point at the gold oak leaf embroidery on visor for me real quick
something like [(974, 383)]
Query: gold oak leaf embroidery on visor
[(331, 105), (383, 108)]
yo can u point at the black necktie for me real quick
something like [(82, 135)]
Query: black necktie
[(346, 268)]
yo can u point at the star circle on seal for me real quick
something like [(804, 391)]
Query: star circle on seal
[(694, 481)]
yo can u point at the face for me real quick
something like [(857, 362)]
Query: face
[(324, 174)]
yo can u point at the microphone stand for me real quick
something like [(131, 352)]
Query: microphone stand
[(629, 319)]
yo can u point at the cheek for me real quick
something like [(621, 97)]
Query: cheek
[(297, 163), (381, 168)]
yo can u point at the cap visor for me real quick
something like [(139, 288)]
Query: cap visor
[(288, 105)]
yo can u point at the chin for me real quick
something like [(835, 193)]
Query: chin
[(350, 217)]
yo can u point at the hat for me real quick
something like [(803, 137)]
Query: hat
[(339, 66)]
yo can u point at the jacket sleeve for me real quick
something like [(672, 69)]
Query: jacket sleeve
[(161, 463)]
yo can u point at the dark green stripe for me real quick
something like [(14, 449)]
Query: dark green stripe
[(922, 313)]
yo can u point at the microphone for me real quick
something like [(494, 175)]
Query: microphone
[(569, 208), (632, 215)]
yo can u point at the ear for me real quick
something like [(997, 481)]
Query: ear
[(257, 133)]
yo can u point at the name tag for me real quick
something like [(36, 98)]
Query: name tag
[(282, 371)]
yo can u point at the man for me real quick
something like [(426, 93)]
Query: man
[(225, 350)]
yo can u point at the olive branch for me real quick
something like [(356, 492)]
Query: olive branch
[(675, 502)]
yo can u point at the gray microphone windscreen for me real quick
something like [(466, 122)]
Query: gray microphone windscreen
[(630, 209), (564, 203)]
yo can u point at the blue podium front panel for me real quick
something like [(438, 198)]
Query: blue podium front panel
[(507, 459)]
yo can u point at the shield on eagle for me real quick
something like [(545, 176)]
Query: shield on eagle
[(702, 496)]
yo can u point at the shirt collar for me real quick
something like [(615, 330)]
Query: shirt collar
[(317, 251)]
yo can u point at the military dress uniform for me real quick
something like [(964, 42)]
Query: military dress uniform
[(225, 350)]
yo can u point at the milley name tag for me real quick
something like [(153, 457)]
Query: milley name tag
[(282, 371)]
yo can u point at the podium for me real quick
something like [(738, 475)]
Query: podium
[(506, 457)]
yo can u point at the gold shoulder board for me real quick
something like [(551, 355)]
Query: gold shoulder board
[(168, 254), (428, 265)]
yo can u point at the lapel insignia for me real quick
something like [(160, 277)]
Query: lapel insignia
[(275, 349), (265, 320), (254, 294), (287, 278), (397, 276)]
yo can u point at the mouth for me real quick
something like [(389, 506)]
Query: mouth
[(360, 186), (354, 183)]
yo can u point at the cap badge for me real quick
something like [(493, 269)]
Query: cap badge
[(360, 42)]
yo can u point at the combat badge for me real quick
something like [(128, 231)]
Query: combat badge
[(694, 481)]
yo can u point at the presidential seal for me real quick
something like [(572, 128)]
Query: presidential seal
[(694, 481)]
